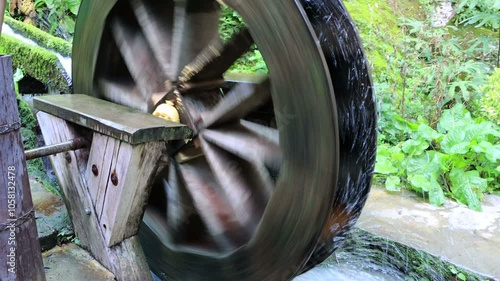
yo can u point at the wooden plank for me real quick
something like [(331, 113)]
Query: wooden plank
[(126, 260), (20, 255), (101, 156), (133, 171), (111, 119)]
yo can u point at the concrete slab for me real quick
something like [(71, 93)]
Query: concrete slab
[(459, 235), (70, 262)]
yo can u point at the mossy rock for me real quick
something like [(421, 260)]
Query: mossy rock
[(36, 62), (379, 27), (42, 38)]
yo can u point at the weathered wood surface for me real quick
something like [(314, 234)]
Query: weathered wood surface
[(2, 8), (121, 190), (111, 119), (18, 235), (126, 260)]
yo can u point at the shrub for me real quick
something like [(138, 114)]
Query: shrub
[(490, 101)]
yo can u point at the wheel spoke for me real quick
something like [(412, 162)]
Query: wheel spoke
[(240, 193), (213, 208), (124, 93), (217, 58), (196, 23), (263, 131), (246, 143), (138, 57), (180, 205), (236, 104), (155, 19)]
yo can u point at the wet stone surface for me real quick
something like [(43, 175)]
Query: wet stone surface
[(52, 219), (466, 238), (70, 262)]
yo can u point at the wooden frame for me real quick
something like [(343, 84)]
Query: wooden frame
[(106, 187)]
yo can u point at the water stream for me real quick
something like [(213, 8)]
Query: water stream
[(65, 61)]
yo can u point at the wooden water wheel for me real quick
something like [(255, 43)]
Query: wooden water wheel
[(279, 166)]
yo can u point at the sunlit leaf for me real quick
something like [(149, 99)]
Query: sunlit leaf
[(392, 183), (467, 188)]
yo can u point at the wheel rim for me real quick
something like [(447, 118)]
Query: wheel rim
[(297, 211)]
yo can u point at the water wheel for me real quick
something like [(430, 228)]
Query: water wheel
[(280, 165)]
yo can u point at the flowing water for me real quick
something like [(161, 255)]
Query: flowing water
[(65, 61)]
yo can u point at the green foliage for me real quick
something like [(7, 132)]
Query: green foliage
[(490, 101), (28, 135), (252, 62), (478, 12), (440, 69), (460, 159), (230, 23), (58, 16)]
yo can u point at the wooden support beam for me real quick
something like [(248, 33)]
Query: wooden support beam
[(119, 192), (83, 190), (20, 255)]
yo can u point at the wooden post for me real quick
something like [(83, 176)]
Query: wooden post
[(2, 10), (20, 255)]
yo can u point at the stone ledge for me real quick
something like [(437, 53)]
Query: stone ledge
[(70, 262), (454, 233)]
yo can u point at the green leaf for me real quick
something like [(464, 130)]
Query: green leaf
[(384, 166), (479, 132), (454, 142), (404, 125), (467, 188), (459, 161), (427, 133), (18, 75), (436, 194), (419, 181), (459, 148), (392, 183), (427, 164), (68, 24), (454, 118), (414, 147), (481, 147), (431, 186), (72, 6), (493, 153)]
